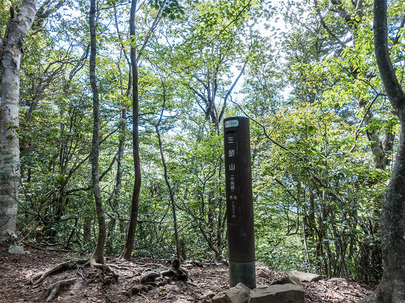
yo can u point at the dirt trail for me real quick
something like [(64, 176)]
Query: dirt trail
[(17, 273)]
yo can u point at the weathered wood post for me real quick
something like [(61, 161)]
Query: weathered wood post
[(241, 243)]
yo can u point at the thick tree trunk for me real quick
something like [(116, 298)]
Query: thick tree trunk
[(135, 138), (392, 286), (99, 252), (10, 58)]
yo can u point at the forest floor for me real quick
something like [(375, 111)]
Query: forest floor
[(17, 272)]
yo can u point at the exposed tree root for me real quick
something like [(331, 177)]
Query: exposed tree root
[(53, 289), (389, 291), (126, 266), (108, 276), (38, 278), (105, 274), (150, 278), (94, 264)]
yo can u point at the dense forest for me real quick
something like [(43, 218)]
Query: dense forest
[(118, 143)]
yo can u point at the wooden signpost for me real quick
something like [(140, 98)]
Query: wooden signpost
[(241, 244)]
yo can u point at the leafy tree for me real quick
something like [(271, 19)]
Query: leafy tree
[(307, 177), (391, 288)]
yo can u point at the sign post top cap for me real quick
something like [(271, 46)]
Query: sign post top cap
[(237, 118), (234, 121)]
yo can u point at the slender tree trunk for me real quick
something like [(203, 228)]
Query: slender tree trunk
[(173, 204), (99, 252), (392, 286), (135, 138), (11, 48), (114, 199)]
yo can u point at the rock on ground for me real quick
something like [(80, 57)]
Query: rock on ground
[(304, 276), (284, 293), (237, 294), (15, 249)]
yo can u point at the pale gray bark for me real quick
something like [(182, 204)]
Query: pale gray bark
[(10, 58), (99, 252)]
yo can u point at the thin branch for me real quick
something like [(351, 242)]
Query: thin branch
[(396, 40), (318, 179), (264, 130), (230, 23), (332, 34), (231, 89), (151, 30), (365, 116), (45, 11)]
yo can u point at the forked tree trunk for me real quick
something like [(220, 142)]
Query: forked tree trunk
[(11, 47), (392, 286)]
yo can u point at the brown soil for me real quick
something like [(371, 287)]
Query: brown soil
[(17, 272)]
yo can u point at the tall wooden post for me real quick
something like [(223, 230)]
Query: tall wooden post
[(241, 244)]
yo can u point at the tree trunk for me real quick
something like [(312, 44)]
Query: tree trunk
[(135, 138), (11, 48), (87, 222), (114, 199), (162, 156), (392, 286), (99, 252)]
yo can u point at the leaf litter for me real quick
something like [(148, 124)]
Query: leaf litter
[(205, 280)]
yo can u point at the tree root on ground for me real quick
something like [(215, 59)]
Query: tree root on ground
[(151, 279), (102, 273), (52, 290), (38, 278), (108, 276)]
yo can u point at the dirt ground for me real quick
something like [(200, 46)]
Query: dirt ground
[(91, 285)]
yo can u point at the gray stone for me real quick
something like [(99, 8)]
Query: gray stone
[(337, 280), (237, 294), (290, 279), (285, 293), (15, 249), (304, 276), (263, 272)]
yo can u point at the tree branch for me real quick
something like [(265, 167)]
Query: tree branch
[(393, 88), (151, 30), (45, 11), (230, 90), (326, 27), (399, 31)]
